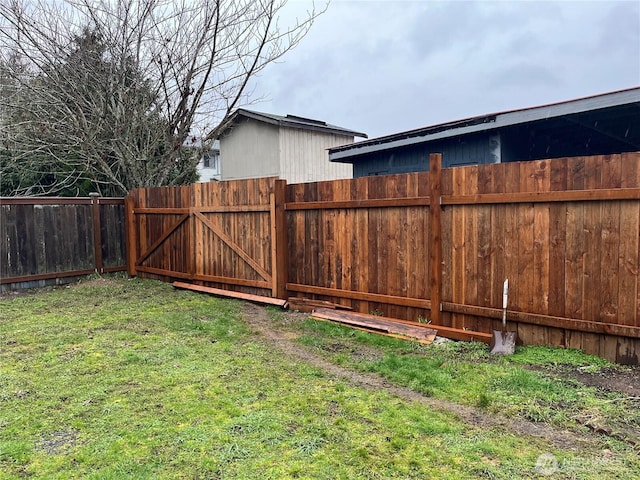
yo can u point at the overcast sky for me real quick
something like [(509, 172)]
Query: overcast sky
[(382, 67)]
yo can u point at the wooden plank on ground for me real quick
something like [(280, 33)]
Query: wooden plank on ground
[(448, 332), (453, 333), (227, 293), (304, 304), (376, 324)]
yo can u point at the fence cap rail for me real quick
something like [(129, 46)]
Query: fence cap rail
[(59, 200)]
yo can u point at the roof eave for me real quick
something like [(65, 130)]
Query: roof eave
[(485, 123), (320, 128), (289, 124)]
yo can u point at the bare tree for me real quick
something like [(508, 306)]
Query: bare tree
[(115, 91)]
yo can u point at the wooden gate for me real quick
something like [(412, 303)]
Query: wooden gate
[(225, 235)]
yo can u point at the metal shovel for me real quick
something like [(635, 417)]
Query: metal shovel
[(503, 342)]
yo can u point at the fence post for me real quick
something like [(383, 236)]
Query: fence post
[(97, 232), (435, 235), (130, 234), (194, 250), (279, 258)]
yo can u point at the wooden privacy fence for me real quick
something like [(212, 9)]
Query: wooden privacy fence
[(44, 239), (228, 234), (433, 246)]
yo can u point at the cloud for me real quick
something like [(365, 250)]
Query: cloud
[(384, 67), (523, 75), (619, 34)]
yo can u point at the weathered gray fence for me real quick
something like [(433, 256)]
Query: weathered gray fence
[(47, 241)]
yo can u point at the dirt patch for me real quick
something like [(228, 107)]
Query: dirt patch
[(617, 379), (71, 283), (58, 442), (98, 282), (272, 332), (622, 381), (11, 294)]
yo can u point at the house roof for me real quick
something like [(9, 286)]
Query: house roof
[(291, 121), (487, 122)]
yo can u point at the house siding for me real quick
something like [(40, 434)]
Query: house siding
[(250, 149), (304, 156), (470, 150), (207, 174), (599, 125), (212, 172)]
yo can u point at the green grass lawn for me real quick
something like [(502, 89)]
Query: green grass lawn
[(535, 383), (133, 379)]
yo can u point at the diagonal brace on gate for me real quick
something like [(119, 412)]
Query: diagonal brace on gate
[(234, 246), (188, 249), (159, 241)]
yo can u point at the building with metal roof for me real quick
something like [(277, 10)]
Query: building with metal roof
[(596, 125)]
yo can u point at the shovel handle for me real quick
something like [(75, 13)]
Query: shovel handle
[(505, 300), (505, 294)]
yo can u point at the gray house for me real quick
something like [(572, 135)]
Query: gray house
[(255, 144), (597, 125)]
